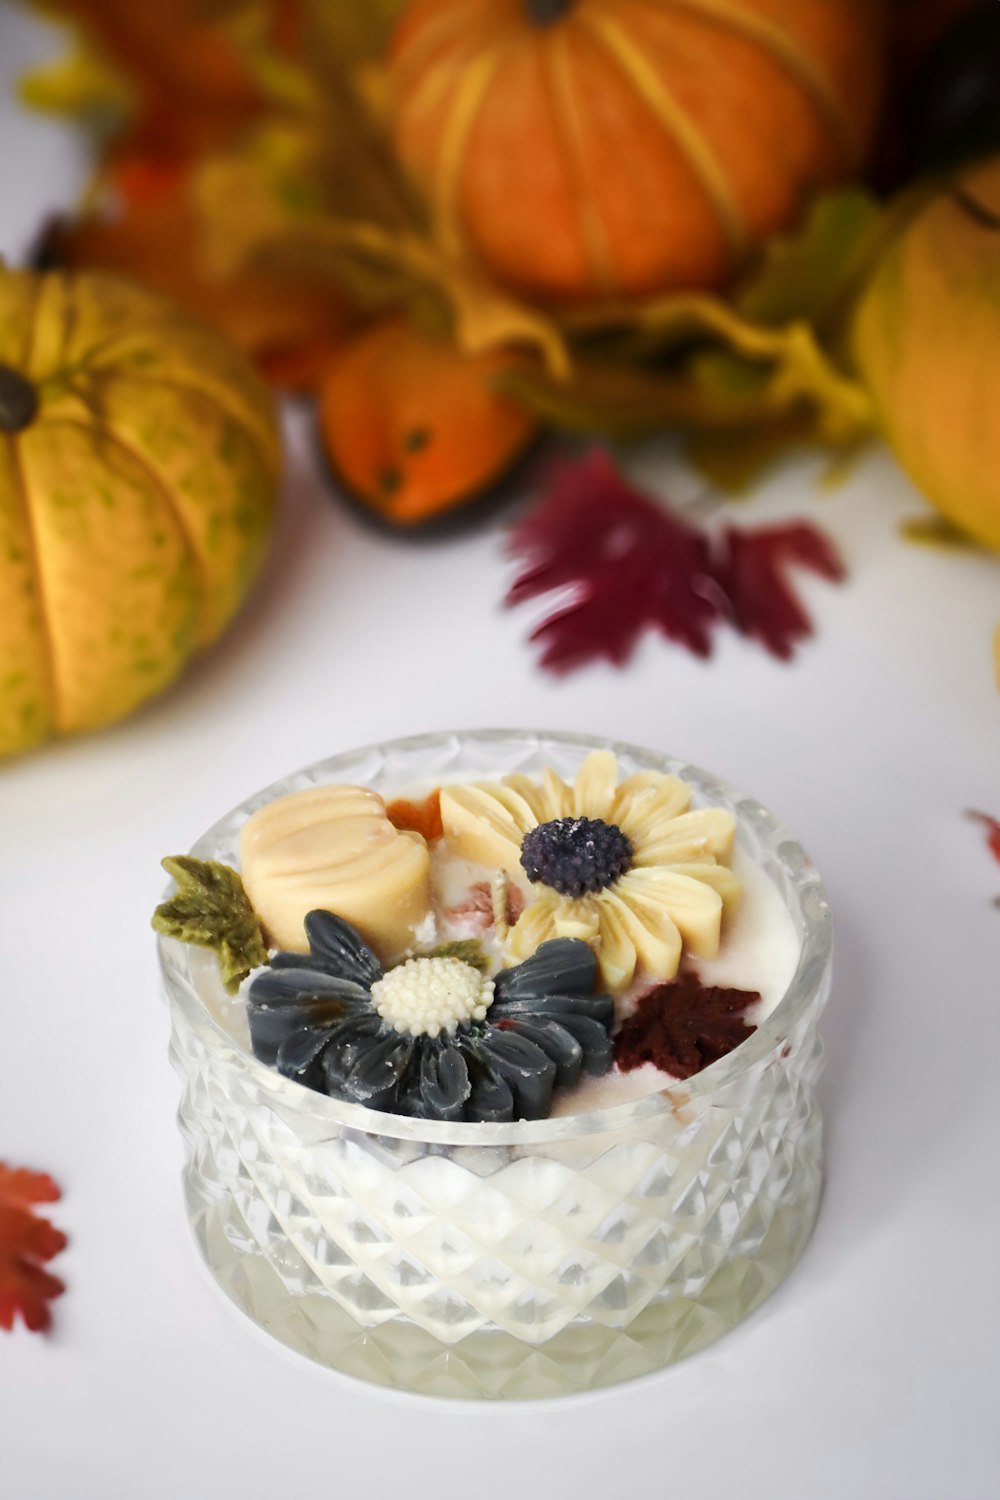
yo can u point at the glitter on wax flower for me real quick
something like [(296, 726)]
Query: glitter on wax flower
[(629, 868), (433, 1037)]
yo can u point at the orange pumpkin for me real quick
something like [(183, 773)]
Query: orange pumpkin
[(590, 149), (413, 428)]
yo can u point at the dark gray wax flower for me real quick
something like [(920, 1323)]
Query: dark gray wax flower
[(433, 1037)]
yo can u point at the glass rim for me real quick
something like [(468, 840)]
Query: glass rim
[(814, 960)]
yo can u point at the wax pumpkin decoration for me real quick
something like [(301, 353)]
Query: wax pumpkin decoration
[(414, 428), (926, 337), (138, 465), (594, 148)]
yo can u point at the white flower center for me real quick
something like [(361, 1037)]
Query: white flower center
[(426, 996)]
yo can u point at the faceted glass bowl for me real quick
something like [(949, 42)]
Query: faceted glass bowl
[(504, 1261)]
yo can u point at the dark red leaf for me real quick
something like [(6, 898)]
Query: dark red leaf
[(624, 563), (27, 1241), (992, 826), (682, 1027), (750, 569)]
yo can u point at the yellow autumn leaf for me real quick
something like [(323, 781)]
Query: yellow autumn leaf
[(937, 531), (81, 85), (809, 273), (744, 376), (173, 71), (282, 200)]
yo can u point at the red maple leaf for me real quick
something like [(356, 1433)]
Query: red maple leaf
[(26, 1243), (627, 564), (992, 826), (684, 1026), (750, 569)]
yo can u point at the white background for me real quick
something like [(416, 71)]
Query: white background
[(874, 1372)]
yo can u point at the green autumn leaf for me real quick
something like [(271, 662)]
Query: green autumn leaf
[(79, 85), (467, 951), (295, 203), (808, 276), (734, 459), (745, 377), (718, 391), (333, 39), (610, 399), (212, 910), (281, 188)]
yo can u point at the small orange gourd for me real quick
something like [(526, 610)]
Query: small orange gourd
[(413, 428), (590, 149)]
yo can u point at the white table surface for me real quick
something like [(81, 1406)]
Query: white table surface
[(874, 1371)]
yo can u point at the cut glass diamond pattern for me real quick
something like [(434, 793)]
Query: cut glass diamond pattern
[(506, 1271)]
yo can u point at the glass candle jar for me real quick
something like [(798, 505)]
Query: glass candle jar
[(517, 1260)]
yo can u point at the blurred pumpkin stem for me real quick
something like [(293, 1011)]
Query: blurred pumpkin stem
[(547, 12)]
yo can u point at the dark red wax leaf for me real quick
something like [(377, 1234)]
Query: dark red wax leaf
[(682, 1027), (27, 1242), (992, 826), (625, 564)]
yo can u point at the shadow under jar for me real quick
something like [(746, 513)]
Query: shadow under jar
[(512, 1261)]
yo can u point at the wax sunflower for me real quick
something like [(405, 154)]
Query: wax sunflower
[(629, 867)]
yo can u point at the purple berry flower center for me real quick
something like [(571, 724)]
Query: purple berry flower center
[(576, 856)]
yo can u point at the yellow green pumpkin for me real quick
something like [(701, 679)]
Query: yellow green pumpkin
[(927, 343), (139, 459)]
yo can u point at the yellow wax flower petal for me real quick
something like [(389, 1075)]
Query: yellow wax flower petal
[(534, 927), (705, 834), (594, 792), (657, 939), (577, 919), (691, 904), (672, 897), (719, 877), (480, 827), (519, 807), (559, 800), (615, 950), (531, 794), (646, 799)]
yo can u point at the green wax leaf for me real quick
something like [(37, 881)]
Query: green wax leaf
[(469, 951), (212, 910)]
